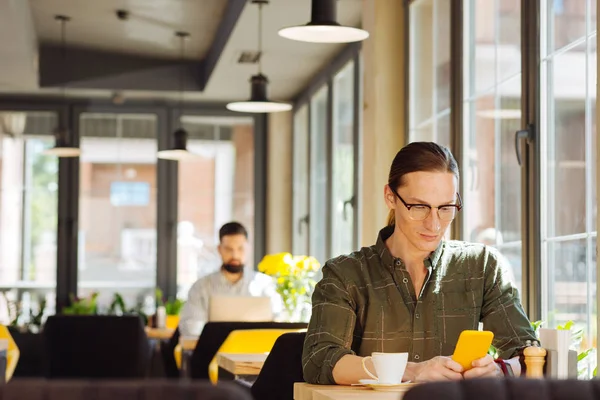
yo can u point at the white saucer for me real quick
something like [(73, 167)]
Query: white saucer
[(387, 387)]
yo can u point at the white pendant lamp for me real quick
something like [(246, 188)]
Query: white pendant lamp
[(259, 102), (323, 27), (179, 150), (62, 148)]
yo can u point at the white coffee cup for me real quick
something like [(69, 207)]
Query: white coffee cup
[(389, 367)]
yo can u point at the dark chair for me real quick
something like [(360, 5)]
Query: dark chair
[(32, 354), (167, 348), (26, 389), (81, 346), (214, 334), (282, 368), (507, 389)]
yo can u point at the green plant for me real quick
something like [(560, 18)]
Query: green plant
[(15, 313), (118, 307), (173, 307), (85, 306)]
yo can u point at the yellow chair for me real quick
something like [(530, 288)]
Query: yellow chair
[(12, 353), (252, 341)]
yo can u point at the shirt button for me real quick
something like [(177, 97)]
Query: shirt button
[(417, 316), (398, 262), (417, 357), (405, 280)]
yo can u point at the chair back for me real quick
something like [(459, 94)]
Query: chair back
[(282, 368), (214, 334), (167, 349), (247, 341), (12, 353), (38, 389), (96, 346), (506, 389)]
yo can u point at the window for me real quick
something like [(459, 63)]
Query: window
[(429, 70), (569, 205), (28, 210), (117, 207), (301, 182), (129, 194), (343, 165), (214, 188), (318, 175), (492, 114)]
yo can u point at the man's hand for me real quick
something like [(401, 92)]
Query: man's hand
[(484, 368), (438, 369)]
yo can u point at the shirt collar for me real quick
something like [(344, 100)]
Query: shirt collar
[(389, 260)]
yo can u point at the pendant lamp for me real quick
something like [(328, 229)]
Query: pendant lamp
[(62, 147), (179, 150), (323, 26), (259, 101)]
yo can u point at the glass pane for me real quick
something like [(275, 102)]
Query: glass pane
[(318, 176), (512, 253), (593, 4), (343, 194), (424, 133), (566, 200), (567, 284), (117, 207), (28, 213), (592, 88), (569, 21), (224, 192), (443, 131), (492, 197), (421, 62), (495, 27), (442, 54), (301, 182)]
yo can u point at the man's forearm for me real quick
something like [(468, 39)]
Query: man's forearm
[(349, 370)]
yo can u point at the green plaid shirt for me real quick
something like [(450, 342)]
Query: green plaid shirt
[(366, 302)]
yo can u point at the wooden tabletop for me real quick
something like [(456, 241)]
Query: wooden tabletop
[(241, 364), (159, 333), (188, 343), (304, 391)]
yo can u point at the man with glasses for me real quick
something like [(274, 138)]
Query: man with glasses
[(412, 291)]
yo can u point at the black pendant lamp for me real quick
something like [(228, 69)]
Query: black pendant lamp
[(259, 101), (62, 148), (179, 150), (323, 26)]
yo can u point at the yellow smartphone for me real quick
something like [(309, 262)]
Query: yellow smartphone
[(471, 346)]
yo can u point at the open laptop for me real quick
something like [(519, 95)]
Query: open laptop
[(239, 309)]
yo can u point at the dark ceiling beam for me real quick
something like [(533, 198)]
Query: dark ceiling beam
[(95, 69), (230, 17)]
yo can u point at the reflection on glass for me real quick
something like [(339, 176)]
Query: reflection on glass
[(569, 162), (429, 70), (117, 207), (343, 195), (301, 182), (28, 212), (568, 22), (566, 167), (491, 175), (222, 193), (318, 176)]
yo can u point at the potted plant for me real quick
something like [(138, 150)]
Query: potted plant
[(172, 309), (294, 279)]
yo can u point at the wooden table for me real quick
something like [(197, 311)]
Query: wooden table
[(159, 333), (304, 391), (241, 364)]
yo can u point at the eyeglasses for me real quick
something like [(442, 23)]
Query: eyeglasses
[(419, 212)]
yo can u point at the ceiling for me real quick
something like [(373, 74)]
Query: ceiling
[(140, 57)]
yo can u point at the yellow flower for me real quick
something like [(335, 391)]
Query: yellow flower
[(272, 264), (280, 281)]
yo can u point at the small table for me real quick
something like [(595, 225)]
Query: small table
[(159, 333), (233, 366), (305, 391)]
